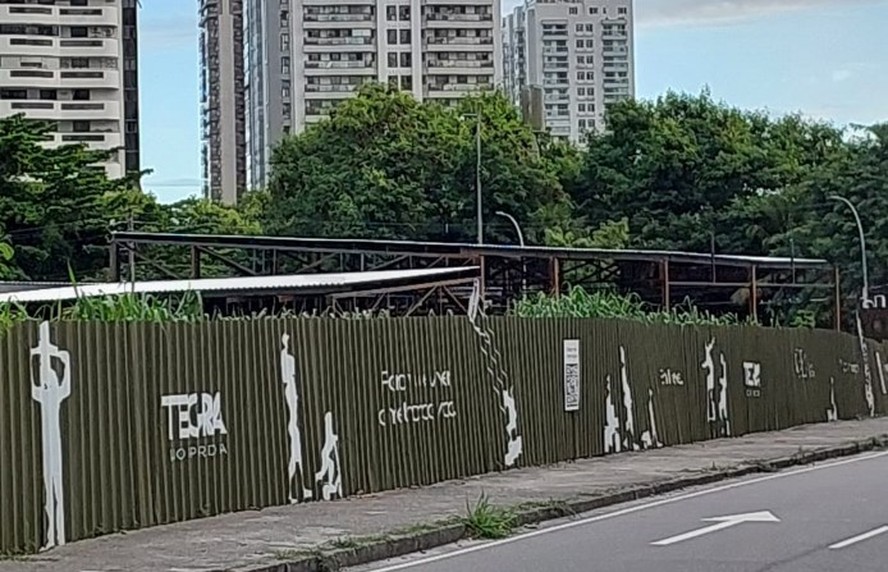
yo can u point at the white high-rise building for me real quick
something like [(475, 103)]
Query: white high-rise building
[(223, 146), (580, 54), (75, 63), (303, 58)]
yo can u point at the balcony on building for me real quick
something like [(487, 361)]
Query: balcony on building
[(95, 15), (451, 42), (333, 63), (338, 15)]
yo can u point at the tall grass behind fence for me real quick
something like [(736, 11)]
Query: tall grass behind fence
[(107, 426)]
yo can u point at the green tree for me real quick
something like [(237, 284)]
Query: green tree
[(387, 166), (684, 167), (50, 201)]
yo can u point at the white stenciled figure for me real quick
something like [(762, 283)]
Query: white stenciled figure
[(49, 392), (611, 424), (832, 414), (723, 395), (330, 468), (515, 443), (650, 438), (629, 427), (709, 365), (291, 392)]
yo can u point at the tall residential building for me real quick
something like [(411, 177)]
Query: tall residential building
[(223, 145), (75, 64), (267, 84), (303, 58), (579, 53)]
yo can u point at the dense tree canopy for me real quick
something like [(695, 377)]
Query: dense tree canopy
[(57, 208), (681, 172), (386, 166)]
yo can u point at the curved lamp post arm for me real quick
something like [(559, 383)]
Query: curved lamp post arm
[(862, 242), (515, 224)]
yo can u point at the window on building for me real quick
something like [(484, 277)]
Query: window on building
[(404, 13), (79, 32), (285, 42), (81, 95), (590, 27), (285, 65), (623, 10), (406, 60), (391, 13), (404, 37), (81, 127), (580, 43), (581, 91), (392, 37), (285, 19), (573, 10), (406, 82), (593, 10), (392, 60), (285, 89)]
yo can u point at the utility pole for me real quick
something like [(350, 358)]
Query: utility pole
[(478, 177), (132, 252)]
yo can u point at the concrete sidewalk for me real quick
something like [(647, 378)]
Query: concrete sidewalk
[(267, 539)]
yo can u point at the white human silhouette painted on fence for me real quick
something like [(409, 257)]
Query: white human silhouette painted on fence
[(50, 392), (291, 393), (628, 406), (616, 438), (832, 414), (330, 467), (650, 439), (717, 398), (611, 423)]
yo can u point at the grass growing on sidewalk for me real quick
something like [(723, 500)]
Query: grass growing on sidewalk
[(485, 520)]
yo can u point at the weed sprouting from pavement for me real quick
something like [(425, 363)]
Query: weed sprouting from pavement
[(484, 520)]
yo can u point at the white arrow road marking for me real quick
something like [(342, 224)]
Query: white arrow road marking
[(859, 538), (722, 522)]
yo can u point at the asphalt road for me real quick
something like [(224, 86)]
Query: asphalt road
[(827, 517)]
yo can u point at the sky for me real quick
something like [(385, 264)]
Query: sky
[(827, 59)]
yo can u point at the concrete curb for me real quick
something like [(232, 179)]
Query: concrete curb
[(399, 545)]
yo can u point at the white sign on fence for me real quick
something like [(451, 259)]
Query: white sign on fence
[(571, 375)]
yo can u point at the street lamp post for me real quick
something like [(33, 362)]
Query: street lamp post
[(862, 243), (520, 242), (479, 214)]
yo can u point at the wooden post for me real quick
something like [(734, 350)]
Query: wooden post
[(753, 292), (555, 275), (195, 262)]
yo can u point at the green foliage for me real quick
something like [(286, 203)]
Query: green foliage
[(577, 303), (186, 307), (484, 520), (387, 166), (50, 202)]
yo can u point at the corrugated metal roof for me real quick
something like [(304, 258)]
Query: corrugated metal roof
[(287, 282), (396, 247)]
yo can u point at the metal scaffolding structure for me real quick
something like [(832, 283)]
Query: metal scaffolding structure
[(718, 282)]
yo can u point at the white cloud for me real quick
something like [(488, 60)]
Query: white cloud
[(716, 12), (839, 76)]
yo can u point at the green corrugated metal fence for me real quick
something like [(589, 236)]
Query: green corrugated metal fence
[(105, 427)]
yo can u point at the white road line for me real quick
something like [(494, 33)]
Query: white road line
[(859, 538), (623, 512)]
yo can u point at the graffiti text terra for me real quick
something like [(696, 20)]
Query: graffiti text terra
[(422, 412), (192, 416)]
